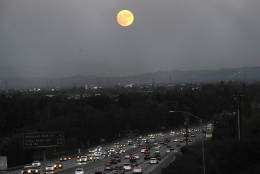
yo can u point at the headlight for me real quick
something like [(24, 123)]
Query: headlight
[(29, 171), (36, 170)]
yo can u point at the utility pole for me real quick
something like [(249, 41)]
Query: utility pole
[(203, 148), (238, 99), (186, 131)]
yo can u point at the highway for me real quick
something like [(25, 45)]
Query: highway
[(91, 167)]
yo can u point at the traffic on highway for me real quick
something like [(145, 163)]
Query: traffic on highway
[(141, 154)]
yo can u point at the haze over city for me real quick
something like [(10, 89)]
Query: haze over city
[(59, 38)]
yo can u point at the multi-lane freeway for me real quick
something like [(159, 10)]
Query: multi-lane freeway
[(165, 145)]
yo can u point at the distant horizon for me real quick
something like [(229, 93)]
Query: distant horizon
[(130, 75)]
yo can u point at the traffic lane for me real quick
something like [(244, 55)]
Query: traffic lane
[(70, 167), (149, 168), (66, 164), (93, 166), (141, 162), (100, 166), (123, 160), (144, 164)]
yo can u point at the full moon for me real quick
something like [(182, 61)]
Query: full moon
[(125, 18)]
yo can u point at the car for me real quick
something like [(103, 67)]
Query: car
[(134, 164), (127, 167), (63, 158), (154, 161), (175, 140), (147, 157), (143, 150), (49, 169), (118, 170), (161, 142), (30, 170), (99, 172), (108, 167), (158, 157), (171, 148), (113, 161), (83, 159), (157, 151), (157, 147), (168, 150), (122, 151), (132, 159), (136, 156), (58, 165), (137, 170), (36, 164), (189, 140), (79, 171), (181, 140), (118, 158), (130, 142), (127, 156)]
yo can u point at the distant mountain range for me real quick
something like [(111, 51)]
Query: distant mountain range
[(245, 74)]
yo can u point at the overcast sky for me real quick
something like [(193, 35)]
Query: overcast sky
[(54, 38)]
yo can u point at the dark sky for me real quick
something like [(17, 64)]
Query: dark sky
[(54, 38)]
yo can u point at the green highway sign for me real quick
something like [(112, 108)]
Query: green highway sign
[(43, 139)]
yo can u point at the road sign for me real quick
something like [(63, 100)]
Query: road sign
[(3, 162), (43, 139)]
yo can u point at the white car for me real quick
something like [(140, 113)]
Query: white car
[(175, 140), (156, 151), (83, 159), (122, 151), (153, 161), (79, 171), (127, 156), (36, 164), (157, 147), (172, 133), (136, 156), (168, 150), (137, 170), (143, 150), (49, 168), (127, 166)]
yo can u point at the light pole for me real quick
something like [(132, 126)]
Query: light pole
[(202, 139)]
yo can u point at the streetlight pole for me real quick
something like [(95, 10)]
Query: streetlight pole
[(202, 139), (203, 148)]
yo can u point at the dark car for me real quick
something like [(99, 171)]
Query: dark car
[(118, 158), (99, 172), (58, 165), (132, 159), (30, 170), (118, 170), (157, 156), (113, 161), (147, 157)]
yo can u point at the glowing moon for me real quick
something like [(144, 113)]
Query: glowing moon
[(125, 18)]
